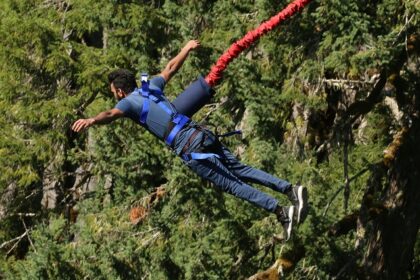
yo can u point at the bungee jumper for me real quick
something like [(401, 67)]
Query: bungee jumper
[(198, 147)]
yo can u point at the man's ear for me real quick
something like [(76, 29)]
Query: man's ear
[(120, 93)]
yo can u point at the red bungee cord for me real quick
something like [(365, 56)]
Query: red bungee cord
[(236, 48)]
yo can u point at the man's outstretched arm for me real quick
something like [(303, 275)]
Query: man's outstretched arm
[(102, 118), (173, 66)]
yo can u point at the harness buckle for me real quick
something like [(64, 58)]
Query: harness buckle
[(144, 84), (186, 157), (144, 77)]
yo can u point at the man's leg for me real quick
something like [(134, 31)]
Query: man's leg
[(251, 174), (212, 169), (297, 194)]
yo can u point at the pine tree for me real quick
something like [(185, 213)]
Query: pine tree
[(320, 99)]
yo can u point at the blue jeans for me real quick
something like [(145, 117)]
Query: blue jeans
[(232, 176)]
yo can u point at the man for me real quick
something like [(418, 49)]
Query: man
[(199, 148)]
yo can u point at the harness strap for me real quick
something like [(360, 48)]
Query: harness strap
[(145, 92), (144, 111), (156, 96), (198, 156), (229, 133), (179, 121)]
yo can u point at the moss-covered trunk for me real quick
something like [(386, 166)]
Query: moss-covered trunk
[(391, 233)]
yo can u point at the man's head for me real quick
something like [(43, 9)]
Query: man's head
[(122, 82)]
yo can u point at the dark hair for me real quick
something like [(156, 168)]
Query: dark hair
[(123, 79)]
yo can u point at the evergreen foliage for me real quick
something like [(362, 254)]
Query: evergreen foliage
[(289, 93)]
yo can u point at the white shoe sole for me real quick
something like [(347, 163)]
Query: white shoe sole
[(290, 226), (303, 203)]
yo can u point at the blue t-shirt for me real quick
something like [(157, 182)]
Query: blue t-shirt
[(157, 119)]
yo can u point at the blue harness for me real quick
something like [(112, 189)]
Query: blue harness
[(156, 96), (179, 120)]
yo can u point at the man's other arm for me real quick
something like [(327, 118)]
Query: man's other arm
[(102, 118), (173, 66)]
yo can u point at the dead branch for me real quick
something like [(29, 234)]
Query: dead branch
[(347, 133), (213, 107), (22, 215), (360, 173), (29, 237), (4, 244)]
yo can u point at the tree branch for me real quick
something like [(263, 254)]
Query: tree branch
[(365, 106), (4, 244), (29, 238), (360, 173)]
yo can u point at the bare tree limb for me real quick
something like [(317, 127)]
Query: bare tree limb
[(4, 244), (347, 132), (360, 173), (214, 107), (29, 237)]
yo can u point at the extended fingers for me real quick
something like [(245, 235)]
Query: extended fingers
[(193, 44), (79, 125), (74, 126), (197, 43)]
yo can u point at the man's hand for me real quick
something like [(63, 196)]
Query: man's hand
[(176, 62), (101, 118), (82, 124), (192, 45)]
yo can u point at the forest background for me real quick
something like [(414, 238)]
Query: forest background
[(330, 99)]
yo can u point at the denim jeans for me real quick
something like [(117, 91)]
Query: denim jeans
[(232, 176)]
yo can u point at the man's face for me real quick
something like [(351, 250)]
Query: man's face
[(118, 93)]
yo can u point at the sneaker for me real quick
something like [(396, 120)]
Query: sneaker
[(298, 195), (285, 217)]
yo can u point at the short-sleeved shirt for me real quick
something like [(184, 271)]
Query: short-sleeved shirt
[(157, 119)]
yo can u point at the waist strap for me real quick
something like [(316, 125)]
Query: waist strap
[(189, 141), (198, 156), (180, 121)]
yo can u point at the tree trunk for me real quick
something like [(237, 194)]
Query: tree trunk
[(390, 230)]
